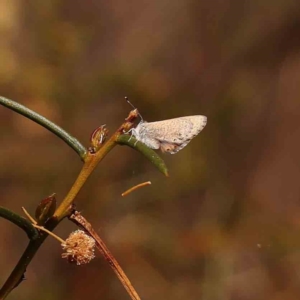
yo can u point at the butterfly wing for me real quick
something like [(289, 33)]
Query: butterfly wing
[(174, 134)]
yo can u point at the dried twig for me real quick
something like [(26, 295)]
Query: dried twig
[(136, 187), (42, 228), (79, 220), (49, 232), (31, 219)]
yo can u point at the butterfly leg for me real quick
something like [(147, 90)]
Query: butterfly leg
[(129, 131), (130, 138)]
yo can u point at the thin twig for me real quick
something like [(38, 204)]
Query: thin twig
[(31, 219), (136, 187), (79, 220), (34, 224), (49, 232)]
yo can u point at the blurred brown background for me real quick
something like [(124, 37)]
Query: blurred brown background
[(226, 224)]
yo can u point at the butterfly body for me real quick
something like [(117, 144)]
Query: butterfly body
[(169, 135)]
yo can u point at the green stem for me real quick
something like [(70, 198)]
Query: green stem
[(18, 220), (58, 131), (17, 274)]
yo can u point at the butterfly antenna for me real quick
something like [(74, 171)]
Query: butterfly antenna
[(127, 100)]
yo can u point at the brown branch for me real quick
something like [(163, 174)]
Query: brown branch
[(79, 220)]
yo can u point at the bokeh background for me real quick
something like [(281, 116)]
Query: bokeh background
[(226, 223)]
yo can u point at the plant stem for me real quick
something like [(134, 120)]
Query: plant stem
[(18, 220), (58, 131), (62, 211), (91, 161), (17, 274)]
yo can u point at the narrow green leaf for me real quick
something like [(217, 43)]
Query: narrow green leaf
[(150, 154)]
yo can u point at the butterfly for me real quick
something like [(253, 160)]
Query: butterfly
[(169, 135)]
